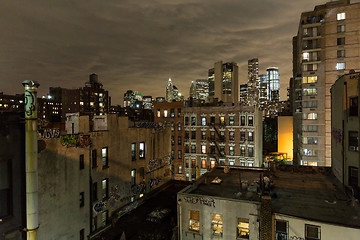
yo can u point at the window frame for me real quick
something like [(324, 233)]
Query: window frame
[(105, 157), (133, 151), (310, 237), (239, 228), (194, 220), (141, 151)]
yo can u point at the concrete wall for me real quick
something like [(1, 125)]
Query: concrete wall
[(239, 209), (328, 231)]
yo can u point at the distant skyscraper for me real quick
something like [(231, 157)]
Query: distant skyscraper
[(172, 92), (273, 89), (244, 94), (253, 81), (223, 82), (192, 90), (263, 89), (202, 89)]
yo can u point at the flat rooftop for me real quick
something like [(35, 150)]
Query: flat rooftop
[(311, 193)]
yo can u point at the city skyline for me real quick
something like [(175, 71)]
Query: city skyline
[(140, 45)]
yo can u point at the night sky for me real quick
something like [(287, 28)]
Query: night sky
[(139, 44)]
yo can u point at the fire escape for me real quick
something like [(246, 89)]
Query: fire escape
[(217, 138)]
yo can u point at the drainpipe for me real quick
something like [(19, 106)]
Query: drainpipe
[(31, 158)]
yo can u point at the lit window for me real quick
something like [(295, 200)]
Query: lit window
[(158, 113), (212, 163), (180, 169), (193, 121), (306, 56), (194, 220), (231, 163), (203, 163), (172, 113), (231, 135), (165, 113), (310, 116), (310, 152), (104, 156), (242, 151), (340, 66), (231, 150), (310, 140), (193, 148), (243, 228), (105, 188), (222, 120), (311, 79), (179, 154), (217, 224), (133, 176), (281, 230), (133, 151), (142, 150), (250, 136), (309, 91), (312, 232), (203, 135), (203, 121), (81, 103), (203, 149), (231, 120), (250, 121), (340, 16), (179, 126)]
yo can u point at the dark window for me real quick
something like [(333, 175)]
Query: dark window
[(179, 154), (203, 135), (340, 53), (186, 135), (179, 140), (353, 109), (212, 135), (341, 41), (81, 161), (212, 120), (142, 150), (353, 141), (82, 200), (193, 148), (312, 232), (187, 163), (212, 149), (250, 151), (133, 151), (94, 226), (94, 191), (193, 134), (82, 234), (242, 121), (250, 121), (193, 163), (172, 140), (340, 28), (186, 148), (222, 136), (5, 189), (94, 158), (242, 136), (186, 121), (353, 176), (281, 230), (179, 112), (222, 150), (104, 157)]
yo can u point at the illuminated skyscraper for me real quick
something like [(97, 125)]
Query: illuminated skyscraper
[(223, 82), (273, 89), (192, 90), (253, 82), (202, 89)]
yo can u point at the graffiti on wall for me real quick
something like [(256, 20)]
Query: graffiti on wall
[(199, 200), (75, 140), (138, 189), (128, 208), (29, 103), (154, 164), (99, 207), (337, 135), (49, 133), (153, 182), (296, 238)]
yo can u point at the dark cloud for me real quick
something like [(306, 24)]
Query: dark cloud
[(140, 44)]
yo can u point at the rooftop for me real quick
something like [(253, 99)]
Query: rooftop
[(312, 193)]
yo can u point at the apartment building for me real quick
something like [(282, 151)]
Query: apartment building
[(345, 131), (225, 135), (234, 203), (326, 47)]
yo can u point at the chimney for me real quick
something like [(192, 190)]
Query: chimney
[(266, 222), (31, 158)]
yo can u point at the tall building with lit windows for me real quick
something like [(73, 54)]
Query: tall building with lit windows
[(253, 81), (223, 82), (326, 47)]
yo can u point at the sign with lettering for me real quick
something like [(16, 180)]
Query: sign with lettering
[(75, 140), (200, 200)]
